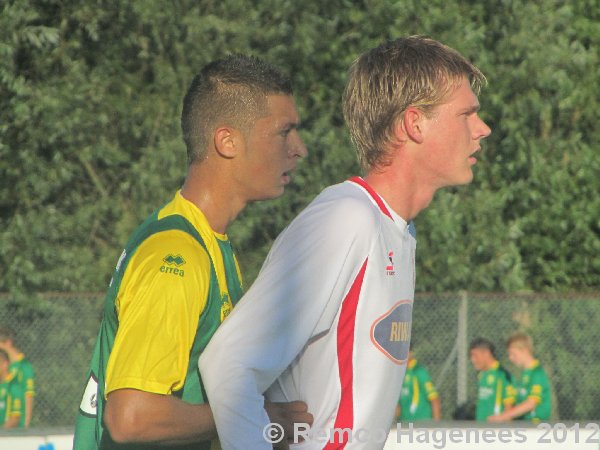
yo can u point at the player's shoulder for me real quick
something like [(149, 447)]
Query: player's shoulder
[(421, 369), (346, 204), (171, 248), (26, 364), (540, 372)]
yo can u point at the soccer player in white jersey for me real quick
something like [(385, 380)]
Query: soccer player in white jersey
[(328, 319)]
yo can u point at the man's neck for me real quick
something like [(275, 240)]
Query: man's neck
[(491, 364), (13, 354), (403, 194), (530, 363), (213, 195)]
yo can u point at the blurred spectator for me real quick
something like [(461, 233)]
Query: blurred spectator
[(533, 390), (22, 373), (495, 392), (419, 399), (10, 395)]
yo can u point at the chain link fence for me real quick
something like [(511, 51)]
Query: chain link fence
[(57, 333), (565, 335)]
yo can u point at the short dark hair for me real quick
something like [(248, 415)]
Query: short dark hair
[(232, 91), (483, 343)]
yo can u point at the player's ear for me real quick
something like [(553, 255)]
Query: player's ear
[(413, 124), (228, 141)]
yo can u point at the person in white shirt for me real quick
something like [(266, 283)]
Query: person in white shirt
[(328, 319)]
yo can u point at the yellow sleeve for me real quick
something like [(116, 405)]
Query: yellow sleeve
[(431, 392), (162, 294), (536, 393), (14, 406), (429, 386), (510, 394)]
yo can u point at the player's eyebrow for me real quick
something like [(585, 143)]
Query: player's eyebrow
[(291, 125), (471, 109)]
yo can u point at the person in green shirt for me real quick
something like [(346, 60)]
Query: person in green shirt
[(22, 373), (495, 392), (10, 395), (534, 401), (419, 399)]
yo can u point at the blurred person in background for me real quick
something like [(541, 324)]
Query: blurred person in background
[(11, 406), (533, 394), (22, 372), (495, 392), (419, 399)]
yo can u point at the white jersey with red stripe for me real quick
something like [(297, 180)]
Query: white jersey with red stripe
[(327, 322)]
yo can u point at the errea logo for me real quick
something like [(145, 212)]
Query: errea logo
[(173, 262), (176, 260)]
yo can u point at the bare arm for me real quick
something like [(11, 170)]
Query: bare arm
[(12, 422), (436, 408), (137, 416), (516, 411), (28, 409)]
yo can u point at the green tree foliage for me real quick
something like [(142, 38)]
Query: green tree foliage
[(90, 96)]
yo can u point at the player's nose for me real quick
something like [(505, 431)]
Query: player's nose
[(297, 147)]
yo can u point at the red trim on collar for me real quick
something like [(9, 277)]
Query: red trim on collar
[(373, 194)]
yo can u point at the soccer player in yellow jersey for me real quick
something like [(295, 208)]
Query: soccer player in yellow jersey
[(177, 278)]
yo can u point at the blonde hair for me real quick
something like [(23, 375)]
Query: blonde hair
[(383, 82), (520, 340)]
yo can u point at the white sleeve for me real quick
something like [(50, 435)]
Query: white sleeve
[(295, 297)]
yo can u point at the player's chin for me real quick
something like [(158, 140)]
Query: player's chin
[(468, 177), (275, 192), (465, 176)]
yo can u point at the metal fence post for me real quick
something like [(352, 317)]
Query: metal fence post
[(462, 347)]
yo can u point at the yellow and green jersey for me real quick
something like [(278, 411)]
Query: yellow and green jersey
[(494, 393), (11, 400), (174, 284), (23, 374), (416, 394), (535, 384)]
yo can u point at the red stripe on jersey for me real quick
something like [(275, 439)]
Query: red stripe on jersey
[(373, 194), (345, 349)]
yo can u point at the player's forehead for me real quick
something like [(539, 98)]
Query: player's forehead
[(282, 108), (461, 98)]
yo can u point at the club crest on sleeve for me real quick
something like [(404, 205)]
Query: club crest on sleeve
[(226, 306), (390, 333)]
